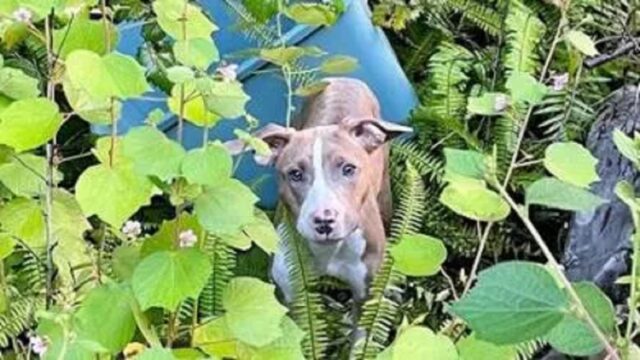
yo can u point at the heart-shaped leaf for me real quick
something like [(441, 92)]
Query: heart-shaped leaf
[(252, 312), (113, 193), (419, 255), (119, 75), (513, 302), (152, 152), (166, 278), (572, 163), (29, 123)]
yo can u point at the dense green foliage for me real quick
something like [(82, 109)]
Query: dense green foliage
[(130, 245)]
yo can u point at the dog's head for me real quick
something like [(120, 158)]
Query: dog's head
[(326, 173)]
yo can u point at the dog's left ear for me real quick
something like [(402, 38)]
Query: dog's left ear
[(372, 132)]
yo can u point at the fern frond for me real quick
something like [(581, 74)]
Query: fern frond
[(380, 312), (17, 317), (31, 274), (406, 151), (484, 17), (223, 260), (448, 77), (306, 307), (527, 350), (525, 31)]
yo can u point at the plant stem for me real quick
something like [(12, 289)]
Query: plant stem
[(516, 151), (559, 273), (146, 330), (180, 130), (49, 241), (287, 77), (171, 331), (634, 288)]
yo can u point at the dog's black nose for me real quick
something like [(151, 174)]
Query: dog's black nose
[(324, 225), (324, 229)]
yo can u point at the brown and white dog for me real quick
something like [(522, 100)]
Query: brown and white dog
[(333, 178)]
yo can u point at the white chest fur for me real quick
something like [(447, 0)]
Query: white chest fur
[(342, 260)]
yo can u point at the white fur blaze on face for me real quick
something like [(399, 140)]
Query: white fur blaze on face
[(318, 196)]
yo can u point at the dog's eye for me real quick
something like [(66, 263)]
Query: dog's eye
[(295, 175), (348, 170)]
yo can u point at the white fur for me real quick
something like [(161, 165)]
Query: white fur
[(320, 193), (342, 260)]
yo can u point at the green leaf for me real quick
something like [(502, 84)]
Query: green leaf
[(628, 147), (489, 104), (120, 75), (475, 202), (112, 193), (167, 237), (465, 163), (7, 244), (524, 88), (258, 145), (558, 194), (215, 338), (195, 109), (513, 302), (626, 192), (181, 20), (471, 348), (125, 258), (418, 342), (287, 347), (339, 64), (156, 353), (23, 219), (572, 163), (16, 85), (312, 89), (69, 225), (287, 55), (207, 166), (83, 34), (311, 14), (105, 317), (226, 99), (224, 208), (252, 312), (153, 153), (197, 52), (262, 232), (25, 175), (419, 255), (166, 278), (573, 335), (180, 74), (582, 42), (155, 117), (29, 123), (95, 111)]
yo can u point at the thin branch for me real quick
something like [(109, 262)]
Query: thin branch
[(582, 311)]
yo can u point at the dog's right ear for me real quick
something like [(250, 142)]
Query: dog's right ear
[(274, 135)]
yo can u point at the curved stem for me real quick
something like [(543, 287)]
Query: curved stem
[(634, 288), (612, 352), (516, 151)]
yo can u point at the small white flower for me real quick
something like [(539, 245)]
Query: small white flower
[(187, 238), (228, 72), (22, 15), (501, 103), (132, 229), (38, 345), (560, 81)]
